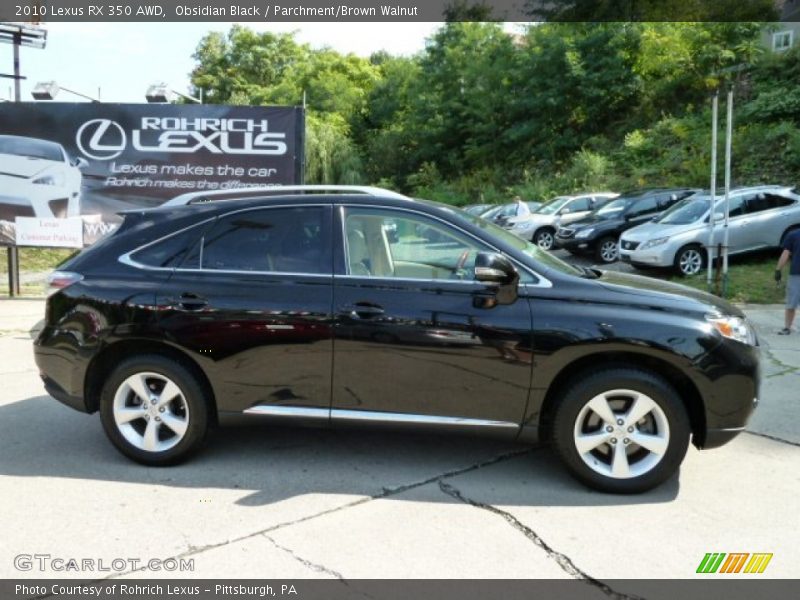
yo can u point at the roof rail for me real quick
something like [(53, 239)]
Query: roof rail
[(241, 193)]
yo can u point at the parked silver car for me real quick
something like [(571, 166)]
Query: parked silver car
[(760, 217), (540, 227)]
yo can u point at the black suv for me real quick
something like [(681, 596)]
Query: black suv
[(598, 234), (299, 307)]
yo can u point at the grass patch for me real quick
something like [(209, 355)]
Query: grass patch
[(34, 260), (750, 279)]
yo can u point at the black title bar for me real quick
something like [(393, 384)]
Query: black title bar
[(395, 10)]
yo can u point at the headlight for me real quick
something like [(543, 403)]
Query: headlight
[(584, 233), (521, 225), (734, 328), (654, 243), (52, 179)]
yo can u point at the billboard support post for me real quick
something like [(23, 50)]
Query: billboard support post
[(12, 251)]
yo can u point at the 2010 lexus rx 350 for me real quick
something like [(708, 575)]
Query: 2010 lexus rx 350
[(298, 307)]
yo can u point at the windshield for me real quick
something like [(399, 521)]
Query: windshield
[(30, 147), (527, 247), (553, 206), (686, 211), (614, 207)]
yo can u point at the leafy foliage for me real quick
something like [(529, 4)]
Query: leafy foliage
[(483, 115)]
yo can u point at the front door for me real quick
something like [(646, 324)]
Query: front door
[(414, 342)]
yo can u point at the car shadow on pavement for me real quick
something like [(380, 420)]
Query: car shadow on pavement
[(41, 438)]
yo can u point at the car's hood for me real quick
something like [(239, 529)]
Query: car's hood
[(660, 293), (23, 166), (651, 231)]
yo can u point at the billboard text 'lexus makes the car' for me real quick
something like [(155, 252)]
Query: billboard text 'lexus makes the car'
[(299, 307)]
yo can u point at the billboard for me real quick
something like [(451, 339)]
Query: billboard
[(92, 160)]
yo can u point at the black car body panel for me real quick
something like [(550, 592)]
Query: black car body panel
[(343, 348)]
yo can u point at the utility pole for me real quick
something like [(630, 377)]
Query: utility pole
[(728, 139), (713, 189)]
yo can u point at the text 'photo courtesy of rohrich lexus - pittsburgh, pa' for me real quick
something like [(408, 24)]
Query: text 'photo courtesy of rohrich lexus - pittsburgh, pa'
[(357, 306)]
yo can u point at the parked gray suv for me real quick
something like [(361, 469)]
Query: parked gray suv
[(760, 217)]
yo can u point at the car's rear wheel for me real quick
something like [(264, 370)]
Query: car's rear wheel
[(621, 431), (544, 238), (690, 260), (606, 251), (154, 410)]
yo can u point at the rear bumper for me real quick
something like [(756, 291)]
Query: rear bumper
[(57, 392)]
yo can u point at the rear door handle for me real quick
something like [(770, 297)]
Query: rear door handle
[(362, 310), (189, 301)]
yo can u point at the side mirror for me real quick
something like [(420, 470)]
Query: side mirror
[(564, 211), (79, 162), (497, 271)]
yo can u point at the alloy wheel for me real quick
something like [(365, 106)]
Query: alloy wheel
[(151, 412), (691, 261), (621, 434), (544, 240), (608, 251)]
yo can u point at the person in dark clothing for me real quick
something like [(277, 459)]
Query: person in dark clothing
[(790, 254)]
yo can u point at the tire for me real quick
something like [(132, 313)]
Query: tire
[(169, 429), (544, 238), (690, 260), (606, 251), (607, 462)]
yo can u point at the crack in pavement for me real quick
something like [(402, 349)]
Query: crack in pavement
[(307, 563), (562, 560), (773, 438), (385, 493)]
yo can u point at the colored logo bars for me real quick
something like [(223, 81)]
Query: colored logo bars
[(735, 562)]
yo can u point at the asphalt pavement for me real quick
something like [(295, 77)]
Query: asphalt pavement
[(272, 502)]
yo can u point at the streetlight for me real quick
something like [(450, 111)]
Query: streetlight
[(161, 93), (48, 90)]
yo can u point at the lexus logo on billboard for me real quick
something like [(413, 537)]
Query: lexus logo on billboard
[(104, 139), (101, 139)]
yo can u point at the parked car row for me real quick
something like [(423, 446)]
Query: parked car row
[(662, 227)]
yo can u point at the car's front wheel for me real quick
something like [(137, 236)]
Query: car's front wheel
[(154, 410), (690, 260), (621, 430), (607, 251)]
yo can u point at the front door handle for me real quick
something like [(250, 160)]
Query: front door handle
[(189, 301), (362, 310)]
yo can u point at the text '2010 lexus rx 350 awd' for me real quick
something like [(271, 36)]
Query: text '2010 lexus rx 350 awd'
[(298, 306)]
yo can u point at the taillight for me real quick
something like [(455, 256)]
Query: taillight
[(58, 280)]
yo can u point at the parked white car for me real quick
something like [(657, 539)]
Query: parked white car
[(38, 179), (760, 217), (540, 227)]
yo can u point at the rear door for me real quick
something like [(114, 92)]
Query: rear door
[(252, 303), (578, 209)]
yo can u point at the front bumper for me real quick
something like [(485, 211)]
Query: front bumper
[(655, 257), (574, 244), (730, 391)]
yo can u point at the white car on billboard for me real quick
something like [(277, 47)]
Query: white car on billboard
[(38, 179)]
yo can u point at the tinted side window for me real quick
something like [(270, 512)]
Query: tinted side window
[(644, 206), (737, 204), (284, 240), (764, 201), (168, 253), (580, 204)]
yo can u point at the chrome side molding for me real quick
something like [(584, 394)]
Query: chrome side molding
[(367, 416)]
